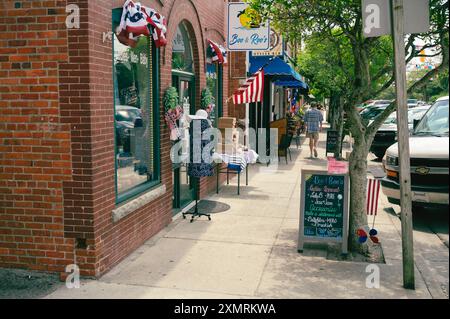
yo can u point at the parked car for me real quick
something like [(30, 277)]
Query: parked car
[(387, 133), (413, 103), (429, 155), (127, 119), (371, 112)]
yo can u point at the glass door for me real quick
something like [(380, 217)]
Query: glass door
[(183, 187)]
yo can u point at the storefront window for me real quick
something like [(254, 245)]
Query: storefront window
[(182, 51), (212, 79), (136, 139)]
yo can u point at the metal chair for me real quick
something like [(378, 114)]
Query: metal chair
[(284, 147)]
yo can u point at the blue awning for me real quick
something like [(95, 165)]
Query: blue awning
[(291, 84), (274, 66)]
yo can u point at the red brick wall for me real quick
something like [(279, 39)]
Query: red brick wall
[(35, 150), (57, 133)]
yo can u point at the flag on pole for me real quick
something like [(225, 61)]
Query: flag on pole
[(252, 91), (373, 192), (218, 53)]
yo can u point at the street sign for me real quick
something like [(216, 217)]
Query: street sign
[(246, 29), (376, 16), (323, 208)]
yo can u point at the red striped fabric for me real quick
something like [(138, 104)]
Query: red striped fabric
[(252, 91), (373, 192), (219, 53)]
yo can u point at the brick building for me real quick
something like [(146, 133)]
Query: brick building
[(72, 187)]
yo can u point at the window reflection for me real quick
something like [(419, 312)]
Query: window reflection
[(133, 114), (182, 51)]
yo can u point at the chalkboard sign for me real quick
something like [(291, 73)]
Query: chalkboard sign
[(323, 208), (332, 141)]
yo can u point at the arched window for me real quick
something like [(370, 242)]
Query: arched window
[(182, 57)]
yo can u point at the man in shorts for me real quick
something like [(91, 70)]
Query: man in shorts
[(313, 122)]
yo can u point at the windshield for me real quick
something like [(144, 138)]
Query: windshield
[(435, 121), (371, 113), (412, 101), (412, 115), (392, 119), (127, 115)]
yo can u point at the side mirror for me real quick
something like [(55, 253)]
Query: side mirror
[(415, 123)]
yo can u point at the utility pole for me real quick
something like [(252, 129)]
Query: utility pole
[(397, 12)]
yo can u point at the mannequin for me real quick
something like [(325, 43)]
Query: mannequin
[(201, 168)]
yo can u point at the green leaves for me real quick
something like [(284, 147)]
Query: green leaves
[(207, 98), (171, 99)]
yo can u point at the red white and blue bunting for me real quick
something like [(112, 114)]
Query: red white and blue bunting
[(138, 20), (217, 52)]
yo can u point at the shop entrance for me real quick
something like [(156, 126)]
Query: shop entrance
[(183, 189)]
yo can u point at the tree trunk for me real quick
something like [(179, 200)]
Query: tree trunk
[(340, 128), (358, 186), (334, 110)]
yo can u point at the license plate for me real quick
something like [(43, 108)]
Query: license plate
[(420, 197)]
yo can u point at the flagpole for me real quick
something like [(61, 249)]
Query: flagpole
[(247, 105)]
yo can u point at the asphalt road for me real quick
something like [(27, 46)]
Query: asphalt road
[(431, 237), (430, 220)]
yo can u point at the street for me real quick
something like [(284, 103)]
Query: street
[(431, 237)]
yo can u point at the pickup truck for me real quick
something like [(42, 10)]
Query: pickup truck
[(429, 154)]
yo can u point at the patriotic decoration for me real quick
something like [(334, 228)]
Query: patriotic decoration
[(137, 20), (218, 53), (172, 116), (252, 90), (363, 235), (373, 191)]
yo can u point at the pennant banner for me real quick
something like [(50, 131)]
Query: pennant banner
[(137, 20)]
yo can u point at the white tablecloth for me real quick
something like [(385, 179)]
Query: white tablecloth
[(242, 159)]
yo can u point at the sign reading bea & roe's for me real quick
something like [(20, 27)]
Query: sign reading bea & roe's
[(323, 208), (246, 29)]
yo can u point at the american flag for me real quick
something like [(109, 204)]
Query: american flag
[(252, 91), (219, 54), (373, 192)]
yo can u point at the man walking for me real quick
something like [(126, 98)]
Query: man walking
[(313, 121)]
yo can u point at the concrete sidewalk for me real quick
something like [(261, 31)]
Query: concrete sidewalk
[(250, 251)]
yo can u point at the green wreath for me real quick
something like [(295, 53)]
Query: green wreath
[(171, 99), (207, 98)]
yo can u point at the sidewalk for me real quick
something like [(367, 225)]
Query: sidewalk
[(250, 251)]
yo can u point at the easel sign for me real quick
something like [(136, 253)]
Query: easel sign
[(332, 142), (323, 208)]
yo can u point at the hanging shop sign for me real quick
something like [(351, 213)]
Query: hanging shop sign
[(323, 208), (276, 46), (246, 29)]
